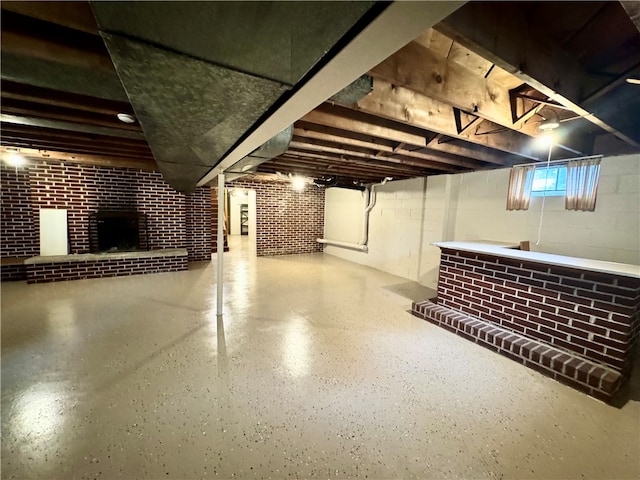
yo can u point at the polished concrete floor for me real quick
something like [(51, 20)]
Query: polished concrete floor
[(315, 370)]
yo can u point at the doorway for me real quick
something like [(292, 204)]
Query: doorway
[(241, 217)]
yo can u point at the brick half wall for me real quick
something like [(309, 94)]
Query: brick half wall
[(594, 315), (116, 267)]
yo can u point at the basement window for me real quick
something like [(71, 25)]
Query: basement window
[(549, 181)]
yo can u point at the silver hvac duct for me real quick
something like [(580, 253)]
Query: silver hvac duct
[(272, 148)]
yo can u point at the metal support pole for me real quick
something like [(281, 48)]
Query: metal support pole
[(220, 243)]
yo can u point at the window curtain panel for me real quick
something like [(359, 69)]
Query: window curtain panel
[(582, 185), (520, 182)]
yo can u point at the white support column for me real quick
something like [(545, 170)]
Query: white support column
[(220, 251)]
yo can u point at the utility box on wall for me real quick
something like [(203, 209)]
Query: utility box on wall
[(54, 239)]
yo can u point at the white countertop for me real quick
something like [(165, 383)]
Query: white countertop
[(547, 258), (88, 257)]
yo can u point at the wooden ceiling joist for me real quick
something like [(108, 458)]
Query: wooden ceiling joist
[(297, 146), (49, 97), (68, 126), (31, 109), (410, 107), (501, 32), (334, 116), (72, 138), (468, 94), (461, 148), (88, 159), (64, 146)]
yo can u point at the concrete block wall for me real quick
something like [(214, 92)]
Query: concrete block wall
[(287, 221), (175, 220), (609, 233), (394, 226), (472, 206)]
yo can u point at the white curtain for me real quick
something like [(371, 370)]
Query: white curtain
[(582, 184), (520, 182)]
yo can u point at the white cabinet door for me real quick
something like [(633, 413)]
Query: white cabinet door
[(53, 232)]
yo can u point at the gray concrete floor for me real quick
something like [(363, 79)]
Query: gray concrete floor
[(315, 370)]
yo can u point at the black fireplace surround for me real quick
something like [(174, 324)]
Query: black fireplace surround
[(117, 231)]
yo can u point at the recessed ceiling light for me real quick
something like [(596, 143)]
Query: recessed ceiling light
[(126, 118)]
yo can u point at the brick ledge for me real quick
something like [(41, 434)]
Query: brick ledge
[(572, 370)]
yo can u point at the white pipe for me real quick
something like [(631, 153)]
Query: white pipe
[(370, 202), (336, 243), (220, 247), (365, 217), (367, 211)]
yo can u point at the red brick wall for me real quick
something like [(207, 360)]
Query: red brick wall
[(288, 222), (175, 220), (591, 314), (214, 223), (198, 212), (17, 237)]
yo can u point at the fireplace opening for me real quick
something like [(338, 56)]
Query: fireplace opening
[(117, 231)]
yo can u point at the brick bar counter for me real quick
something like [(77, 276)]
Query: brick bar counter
[(573, 319), (98, 265)]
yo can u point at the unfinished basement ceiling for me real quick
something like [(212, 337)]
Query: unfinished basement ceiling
[(468, 94)]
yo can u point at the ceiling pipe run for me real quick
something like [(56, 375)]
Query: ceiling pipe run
[(370, 202), (338, 183)]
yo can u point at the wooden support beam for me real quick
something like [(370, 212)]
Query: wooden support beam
[(501, 33), (322, 133), (344, 137), (47, 134), (456, 146), (30, 109), (399, 154), (76, 147), (70, 126), (331, 116), (25, 44), (328, 167), (473, 95), (365, 164), (410, 107), (56, 98), (75, 15), (429, 162), (332, 167)]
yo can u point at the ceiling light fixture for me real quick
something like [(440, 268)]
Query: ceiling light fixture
[(15, 159), (633, 81), (298, 183), (549, 125), (550, 122), (126, 117)]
